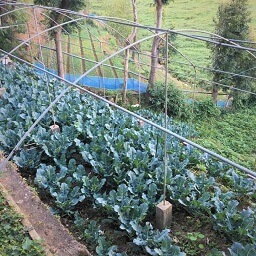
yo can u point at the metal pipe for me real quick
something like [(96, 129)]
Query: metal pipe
[(181, 138)]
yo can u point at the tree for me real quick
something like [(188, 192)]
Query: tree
[(59, 18), (155, 46), (130, 39), (124, 34), (10, 23), (232, 23)]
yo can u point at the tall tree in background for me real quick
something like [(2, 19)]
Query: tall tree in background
[(155, 46), (58, 18), (133, 36), (232, 22), (124, 35), (130, 39)]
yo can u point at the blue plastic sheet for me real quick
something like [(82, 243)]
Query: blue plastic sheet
[(98, 82)]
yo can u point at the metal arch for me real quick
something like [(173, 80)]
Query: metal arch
[(228, 40), (3, 164), (62, 11), (11, 11), (242, 168), (131, 23), (116, 53)]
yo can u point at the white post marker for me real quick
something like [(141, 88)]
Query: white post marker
[(55, 128)]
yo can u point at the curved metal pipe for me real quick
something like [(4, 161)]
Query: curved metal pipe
[(3, 164)]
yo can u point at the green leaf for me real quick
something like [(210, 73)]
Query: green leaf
[(26, 245)]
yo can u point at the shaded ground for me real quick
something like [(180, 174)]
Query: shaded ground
[(53, 233)]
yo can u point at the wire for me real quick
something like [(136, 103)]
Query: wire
[(3, 164), (165, 117), (130, 23), (211, 82), (219, 71), (231, 40)]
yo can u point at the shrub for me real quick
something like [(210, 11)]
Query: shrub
[(176, 99), (205, 109)]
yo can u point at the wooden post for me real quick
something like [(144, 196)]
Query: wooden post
[(68, 56), (83, 67), (95, 54)]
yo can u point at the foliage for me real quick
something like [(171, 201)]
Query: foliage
[(75, 5), (8, 34), (175, 99), (194, 244), (204, 109), (102, 156), (232, 23), (14, 239), (164, 2), (231, 135), (238, 249), (183, 14)]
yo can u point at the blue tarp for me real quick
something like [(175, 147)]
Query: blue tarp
[(101, 82)]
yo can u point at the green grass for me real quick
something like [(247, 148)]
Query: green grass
[(232, 135), (182, 14), (14, 239)]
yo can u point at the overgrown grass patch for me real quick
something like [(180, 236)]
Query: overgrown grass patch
[(232, 135), (14, 238)]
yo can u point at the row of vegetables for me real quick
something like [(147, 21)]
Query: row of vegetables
[(104, 157)]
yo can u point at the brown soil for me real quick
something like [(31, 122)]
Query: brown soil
[(54, 235), (184, 224)]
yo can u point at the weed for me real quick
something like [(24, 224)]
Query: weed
[(14, 239)]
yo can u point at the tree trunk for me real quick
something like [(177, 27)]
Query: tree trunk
[(100, 73), (3, 17), (59, 54), (215, 94), (155, 51), (113, 68), (82, 51), (68, 68), (227, 102), (29, 45), (135, 19), (126, 63), (129, 39)]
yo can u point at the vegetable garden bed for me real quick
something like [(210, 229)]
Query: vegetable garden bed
[(104, 173)]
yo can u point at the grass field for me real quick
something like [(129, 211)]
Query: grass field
[(184, 14)]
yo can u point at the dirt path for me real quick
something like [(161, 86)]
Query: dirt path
[(55, 236)]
